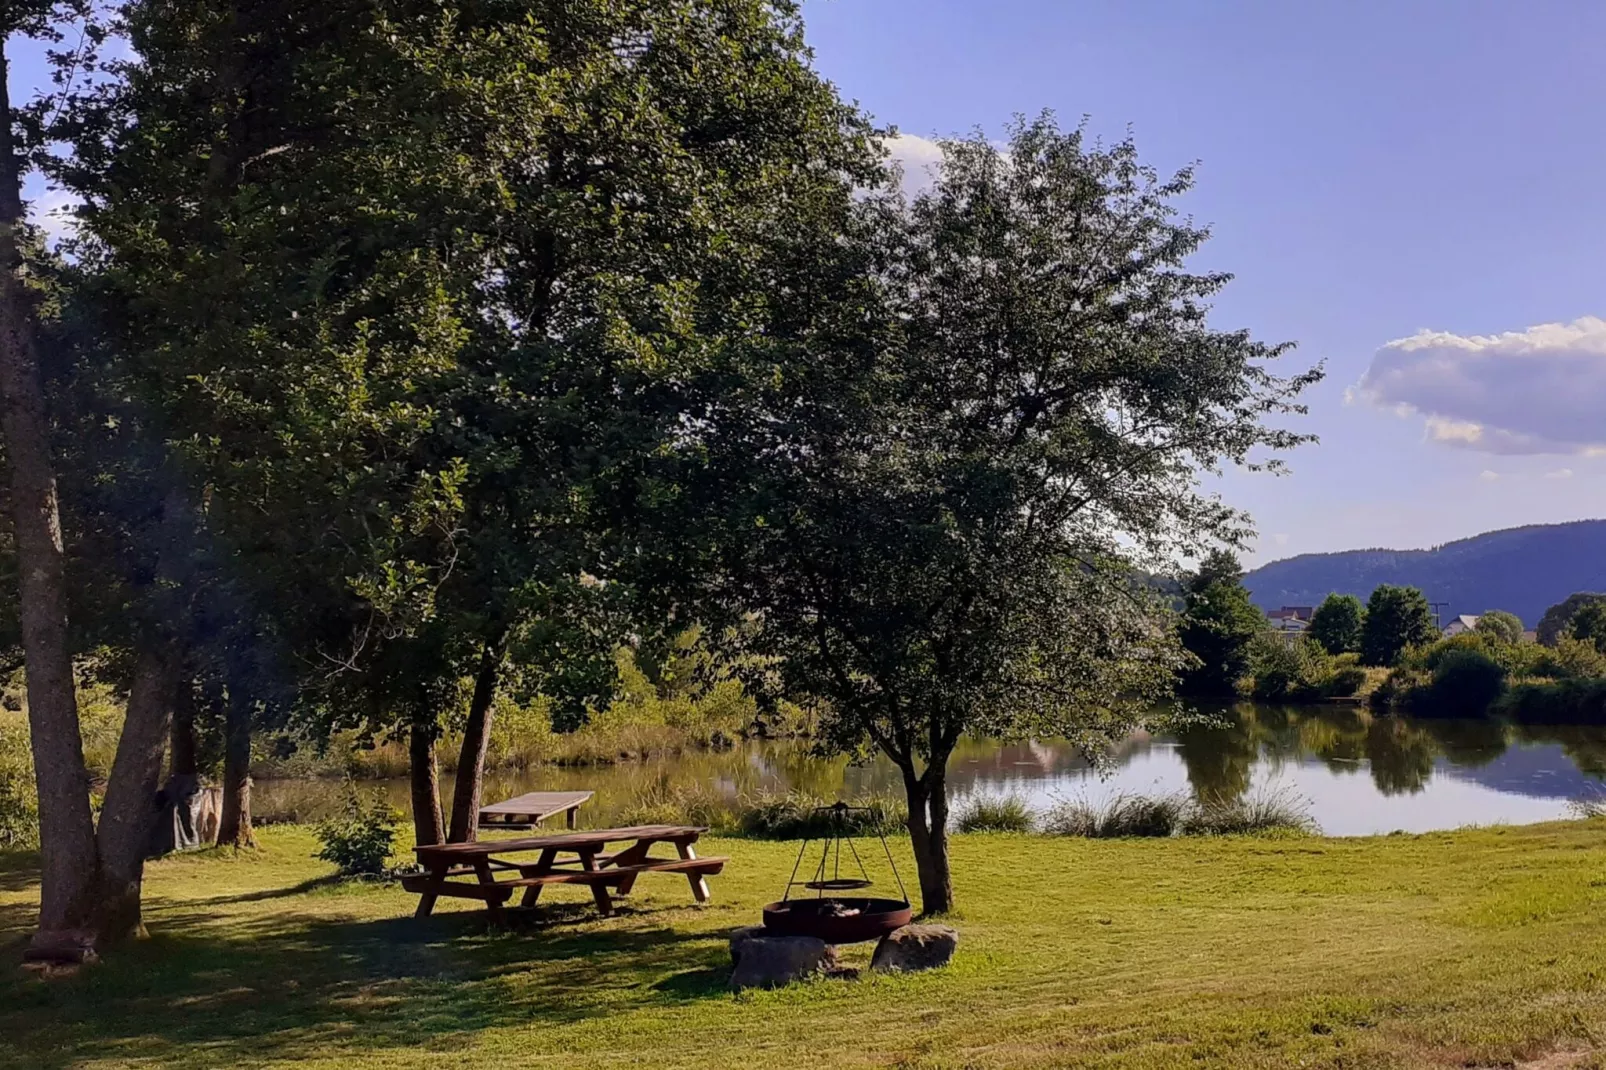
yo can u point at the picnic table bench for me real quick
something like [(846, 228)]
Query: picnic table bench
[(492, 870), (527, 811)]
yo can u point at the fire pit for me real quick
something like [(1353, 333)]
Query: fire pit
[(831, 917)]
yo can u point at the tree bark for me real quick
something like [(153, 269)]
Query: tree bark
[(476, 738), (234, 824), (424, 774), (182, 745), (927, 798), (66, 825), (129, 814)]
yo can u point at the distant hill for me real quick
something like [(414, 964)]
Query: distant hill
[(1523, 570)]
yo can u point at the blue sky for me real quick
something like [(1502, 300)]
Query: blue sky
[(1372, 171)]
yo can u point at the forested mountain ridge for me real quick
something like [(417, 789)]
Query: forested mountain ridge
[(1524, 570)]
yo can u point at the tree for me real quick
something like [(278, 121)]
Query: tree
[(1501, 626), (424, 301), (963, 417), (1558, 618), (65, 823), (1396, 618), (1338, 624), (1589, 625), (91, 871), (1219, 626)]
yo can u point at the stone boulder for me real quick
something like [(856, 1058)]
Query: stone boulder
[(915, 947), (773, 961), (741, 936)]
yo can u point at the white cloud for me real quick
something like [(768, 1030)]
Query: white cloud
[(1280, 539), (919, 157), (1488, 476), (1560, 473), (1542, 390)]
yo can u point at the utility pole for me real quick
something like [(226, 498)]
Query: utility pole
[(1436, 607)]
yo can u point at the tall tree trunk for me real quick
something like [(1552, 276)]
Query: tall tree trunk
[(234, 825), (927, 797), (476, 737), (182, 745), (424, 774), (66, 826), (130, 812)]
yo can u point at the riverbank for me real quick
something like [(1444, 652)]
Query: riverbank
[(1476, 947)]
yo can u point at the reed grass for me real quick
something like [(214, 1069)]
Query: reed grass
[(988, 813), (1277, 811)]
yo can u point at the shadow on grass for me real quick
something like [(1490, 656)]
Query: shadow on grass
[(275, 988)]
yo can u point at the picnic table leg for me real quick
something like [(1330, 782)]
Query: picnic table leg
[(630, 856), (426, 901), (482, 868), (699, 884), (588, 862), (544, 865)]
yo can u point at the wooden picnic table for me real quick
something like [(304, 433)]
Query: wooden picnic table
[(527, 811), (492, 870)]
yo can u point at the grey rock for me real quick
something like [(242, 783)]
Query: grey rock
[(741, 936), (772, 961), (915, 947)]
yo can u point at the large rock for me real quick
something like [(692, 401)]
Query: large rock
[(741, 936), (772, 961), (915, 947)]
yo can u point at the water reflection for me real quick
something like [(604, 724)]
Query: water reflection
[(1360, 773)]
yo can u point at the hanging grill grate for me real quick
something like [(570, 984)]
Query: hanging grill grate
[(831, 917)]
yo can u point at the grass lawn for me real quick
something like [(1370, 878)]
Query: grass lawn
[(1472, 948)]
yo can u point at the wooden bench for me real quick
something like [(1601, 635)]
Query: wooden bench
[(446, 864)]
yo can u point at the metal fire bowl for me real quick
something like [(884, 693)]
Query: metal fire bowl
[(803, 917)]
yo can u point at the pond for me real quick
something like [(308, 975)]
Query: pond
[(1357, 774)]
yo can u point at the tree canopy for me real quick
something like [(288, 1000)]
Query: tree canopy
[(989, 404), (1219, 626), (1557, 620), (1503, 627), (408, 352), (1338, 623), (1397, 618)]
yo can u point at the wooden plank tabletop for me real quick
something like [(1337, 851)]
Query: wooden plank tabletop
[(538, 805), (564, 840)]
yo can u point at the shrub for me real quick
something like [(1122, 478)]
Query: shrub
[(797, 815), (1429, 657), (1344, 682), (1571, 659), (1257, 813), (359, 839), (664, 804), (1465, 682), (1122, 816), (1285, 670), (1007, 813), (19, 813), (1557, 702), (1401, 687)]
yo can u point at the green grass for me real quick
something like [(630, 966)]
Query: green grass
[(1473, 948)]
